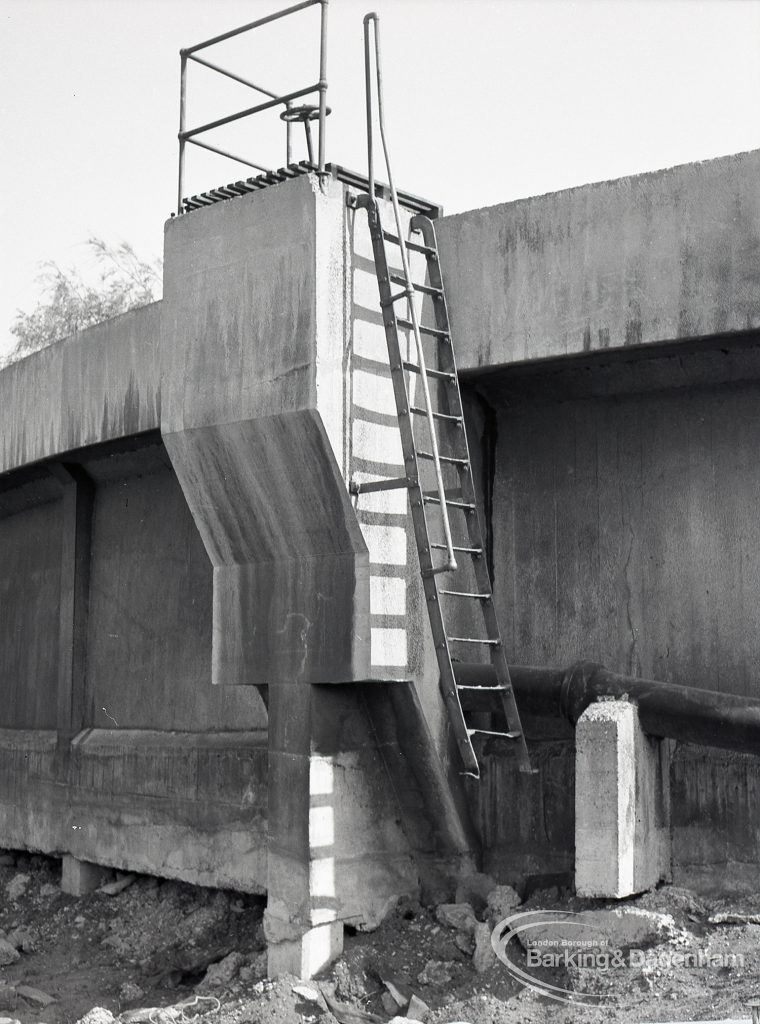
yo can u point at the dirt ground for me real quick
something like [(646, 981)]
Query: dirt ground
[(199, 954)]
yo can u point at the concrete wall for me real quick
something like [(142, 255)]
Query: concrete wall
[(114, 746), (102, 384), (618, 488), (30, 565), (623, 530), (666, 256)]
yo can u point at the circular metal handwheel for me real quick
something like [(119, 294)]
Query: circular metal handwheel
[(305, 112)]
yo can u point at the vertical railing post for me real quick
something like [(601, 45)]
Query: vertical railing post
[(288, 139), (368, 91), (322, 84), (182, 113)]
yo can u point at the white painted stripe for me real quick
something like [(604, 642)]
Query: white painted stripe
[(388, 647)]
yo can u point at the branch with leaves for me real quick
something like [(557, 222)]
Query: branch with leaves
[(68, 304)]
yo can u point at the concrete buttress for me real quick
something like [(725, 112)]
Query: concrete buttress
[(258, 422)]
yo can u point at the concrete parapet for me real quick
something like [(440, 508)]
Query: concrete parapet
[(666, 256), (622, 834)]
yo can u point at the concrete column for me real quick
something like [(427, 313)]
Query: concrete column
[(337, 852), (79, 877), (622, 828)]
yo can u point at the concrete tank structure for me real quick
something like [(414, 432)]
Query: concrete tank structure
[(216, 662)]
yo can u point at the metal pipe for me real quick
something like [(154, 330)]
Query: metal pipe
[(368, 93), (233, 76), (224, 152), (451, 563), (182, 106), (250, 110), (322, 84), (250, 25), (665, 710)]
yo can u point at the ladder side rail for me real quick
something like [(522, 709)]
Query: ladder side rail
[(497, 653), (373, 19), (448, 685)]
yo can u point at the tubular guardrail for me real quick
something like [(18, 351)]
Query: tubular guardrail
[(289, 115)]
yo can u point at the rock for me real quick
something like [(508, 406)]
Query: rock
[(22, 939), (129, 991), (459, 916), (97, 1015), (484, 957), (418, 1009), (34, 995), (399, 998), (255, 969), (545, 897), (8, 953), (17, 886), (619, 927), (474, 889), (220, 974), (9, 1020), (306, 992), (349, 1014), (500, 902), (435, 972), (464, 943), (389, 1003), (114, 888), (48, 889)]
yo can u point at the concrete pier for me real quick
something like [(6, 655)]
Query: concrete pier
[(622, 826)]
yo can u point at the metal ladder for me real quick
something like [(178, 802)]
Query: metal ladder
[(438, 475)]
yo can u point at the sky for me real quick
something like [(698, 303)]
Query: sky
[(486, 101)]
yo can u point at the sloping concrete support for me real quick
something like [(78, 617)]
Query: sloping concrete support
[(247, 352), (291, 586), (622, 821)]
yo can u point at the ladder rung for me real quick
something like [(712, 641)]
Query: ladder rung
[(440, 374), (472, 639), (488, 732), (426, 288), (436, 415), (414, 246), (434, 332), (464, 593), (396, 483), (435, 500), (466, 551), (452, 459), (485, 689)]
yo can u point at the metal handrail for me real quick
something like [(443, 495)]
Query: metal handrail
[(186, 135), (374, 19)]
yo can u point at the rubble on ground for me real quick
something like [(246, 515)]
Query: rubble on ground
[(148, 951)]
